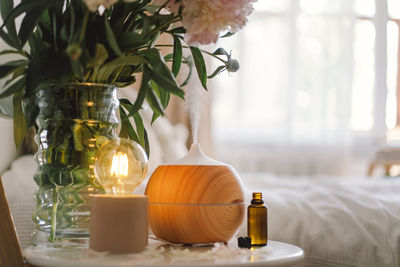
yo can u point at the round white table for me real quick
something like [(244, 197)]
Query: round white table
[(159, 254)]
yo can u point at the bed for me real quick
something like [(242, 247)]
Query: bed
[(349, 221)]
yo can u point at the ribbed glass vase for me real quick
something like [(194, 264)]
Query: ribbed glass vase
[(73, 121)]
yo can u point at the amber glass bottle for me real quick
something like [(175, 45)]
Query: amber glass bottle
[(257, 225)]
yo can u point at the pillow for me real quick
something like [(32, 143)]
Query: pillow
[(8, 150)]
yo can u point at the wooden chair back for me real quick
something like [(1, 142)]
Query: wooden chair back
[(10, 249)]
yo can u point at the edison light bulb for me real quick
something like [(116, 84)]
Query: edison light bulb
[(121, 165)]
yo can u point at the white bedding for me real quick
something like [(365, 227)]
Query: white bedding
[(337, 221)]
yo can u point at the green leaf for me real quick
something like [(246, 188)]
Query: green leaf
[(31, 110), (146, 24), (125, 78), (216, 72), (20, 124), (169, 57), (13, 88), (111, 37), (139, 128), (41, 68), (17, 73), (154, 102), (25, 6), (131, 40), (126, 103), (127, 129), (71, 23), (142, 91), (124, 127), (56, 32), (157, 63), (162, 94), (9, 67), (161, 74), (134, 108), (200, 65), (167, 84), (36, 43), (100, 57), (177, 56), (146, 144), (154, 38), (6, 8), (33, 9), (8, 39), (29, 23), (142, 134), (227, 34), (107, 69), (220, 52), (155, 117), (4, 52), (151, 8)]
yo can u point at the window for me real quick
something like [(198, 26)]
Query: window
[(314, 73)]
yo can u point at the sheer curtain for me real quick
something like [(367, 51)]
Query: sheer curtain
[(304, 100)]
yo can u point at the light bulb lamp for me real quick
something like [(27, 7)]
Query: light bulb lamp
[(119, 222), (121, 165)]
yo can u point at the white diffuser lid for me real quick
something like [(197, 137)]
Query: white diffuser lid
[(196, 156)]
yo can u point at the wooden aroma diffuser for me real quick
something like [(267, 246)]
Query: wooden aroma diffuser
[(195, 200)]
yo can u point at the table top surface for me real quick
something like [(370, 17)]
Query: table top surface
[(159, 254)]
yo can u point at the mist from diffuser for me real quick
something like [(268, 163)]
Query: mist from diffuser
[(121, 165)]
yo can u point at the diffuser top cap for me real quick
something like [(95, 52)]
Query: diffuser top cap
[(196, 156)]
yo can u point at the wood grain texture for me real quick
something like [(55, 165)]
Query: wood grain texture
[(195, 203), (195, 184), (195, 224), (10, 250)]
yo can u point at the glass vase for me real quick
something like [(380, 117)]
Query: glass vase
[(73, 121)]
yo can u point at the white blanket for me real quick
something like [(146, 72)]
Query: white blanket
[(337, 221)]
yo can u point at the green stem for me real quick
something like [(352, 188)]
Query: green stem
[(174, 19), (52, 236), (84, 25), (203, 51)]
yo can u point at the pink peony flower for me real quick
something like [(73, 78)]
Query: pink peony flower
[(205, 19)]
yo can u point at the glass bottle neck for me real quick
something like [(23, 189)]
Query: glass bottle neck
[(257, 199)]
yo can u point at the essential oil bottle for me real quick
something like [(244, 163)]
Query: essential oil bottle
[(257, 221)]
